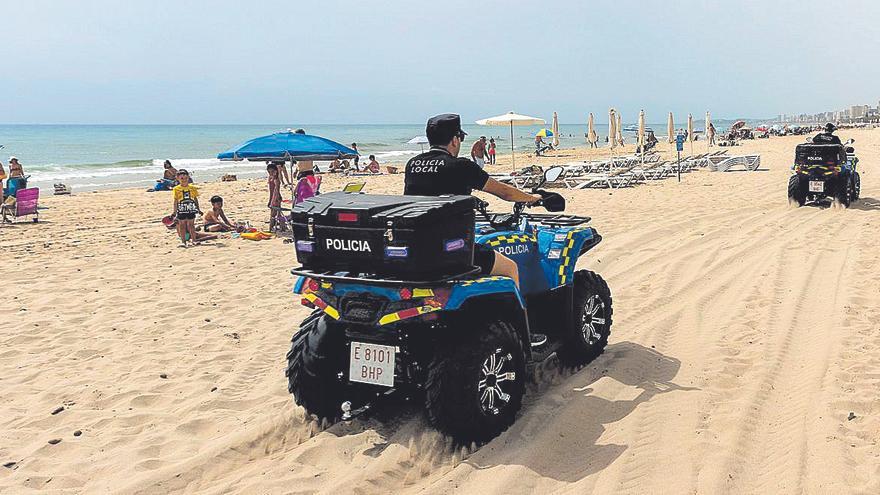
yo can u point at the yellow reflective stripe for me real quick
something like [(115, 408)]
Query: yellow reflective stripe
[(389, 319), (422, 293), (331, 312), (394, 317), (327, 309)]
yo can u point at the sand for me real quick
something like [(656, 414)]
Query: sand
[(744, 356)]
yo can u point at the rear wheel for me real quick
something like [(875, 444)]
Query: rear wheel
[(315, 360), (476, 385), (845, 191), (797, 193), (588, 333)]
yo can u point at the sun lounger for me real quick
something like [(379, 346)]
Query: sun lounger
[(615, 179), (749, 163), (24, 203), (62, 189)]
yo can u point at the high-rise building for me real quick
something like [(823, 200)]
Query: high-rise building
[(858, 111)]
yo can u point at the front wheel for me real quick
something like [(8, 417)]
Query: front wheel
[(857, 186), (476, 383), (588, 333)]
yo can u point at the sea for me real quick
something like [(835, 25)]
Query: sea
[(92, 157)]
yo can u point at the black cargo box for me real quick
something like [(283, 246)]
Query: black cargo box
[(409, 237), (819, 154)]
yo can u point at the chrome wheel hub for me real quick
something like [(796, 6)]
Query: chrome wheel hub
[(593, 319), (497, 369)]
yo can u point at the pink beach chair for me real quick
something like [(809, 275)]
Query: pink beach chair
[(25, 204)]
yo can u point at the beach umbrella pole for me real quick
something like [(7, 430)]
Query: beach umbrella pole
[(512, 150)]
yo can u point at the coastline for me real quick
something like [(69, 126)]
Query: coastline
[(169, 361)]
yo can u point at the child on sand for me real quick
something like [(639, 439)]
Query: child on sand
[(215, 218), (186, 205), (274, 194)]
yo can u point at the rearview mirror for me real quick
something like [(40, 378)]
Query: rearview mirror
[(552, 173)]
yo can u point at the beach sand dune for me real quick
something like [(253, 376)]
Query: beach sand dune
[(744, 357)]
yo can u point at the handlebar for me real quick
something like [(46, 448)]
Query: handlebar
[(506, 221)]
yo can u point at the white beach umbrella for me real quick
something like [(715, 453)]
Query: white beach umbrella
[(419, 140), (670, 129), (511, 119), (691, 132), (612, 129), (591, 132), (642, 133), (555, 128)]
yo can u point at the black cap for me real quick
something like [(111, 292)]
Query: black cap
[(829, 127), (442, 128)]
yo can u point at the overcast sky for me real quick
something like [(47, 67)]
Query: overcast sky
[(398, 61)]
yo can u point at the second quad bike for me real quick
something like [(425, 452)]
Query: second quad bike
[(825, 171), (459, 341)]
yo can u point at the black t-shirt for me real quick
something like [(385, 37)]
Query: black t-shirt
[(826, 138), (436, 172)]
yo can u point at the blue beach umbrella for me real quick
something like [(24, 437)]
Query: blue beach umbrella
[(288, 146)]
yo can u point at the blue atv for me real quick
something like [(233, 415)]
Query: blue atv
[(459, 341)]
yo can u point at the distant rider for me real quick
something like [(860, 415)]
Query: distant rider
[(439, 171), (827, 137)]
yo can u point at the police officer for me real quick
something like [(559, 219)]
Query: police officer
[(827, 137), (440, 171)]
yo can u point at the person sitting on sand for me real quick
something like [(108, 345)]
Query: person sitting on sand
[(168, 180), (170, 172), (186, 206), (338, 166), (373, 166), (215, 218)]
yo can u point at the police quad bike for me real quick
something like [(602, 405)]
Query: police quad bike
[(400, 308), (825, 171)]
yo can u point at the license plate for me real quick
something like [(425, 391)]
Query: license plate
[(372, 363), (817, 186)]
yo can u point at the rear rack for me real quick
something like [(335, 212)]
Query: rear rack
[(561, 220), (332, 276)]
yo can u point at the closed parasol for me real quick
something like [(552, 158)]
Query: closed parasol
[(641, 133), (591, 131)]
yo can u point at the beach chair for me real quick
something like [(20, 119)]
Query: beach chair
[(749, 163), (615, 179), (24, 204), (62, 189), (652, 171)]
